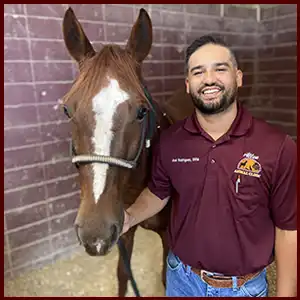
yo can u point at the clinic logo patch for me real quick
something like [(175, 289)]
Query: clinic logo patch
[(249, 165)]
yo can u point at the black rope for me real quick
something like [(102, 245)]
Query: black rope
[(121, 245), (151, 113), (126, 261)]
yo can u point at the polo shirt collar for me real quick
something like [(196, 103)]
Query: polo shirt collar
[(241, 124)]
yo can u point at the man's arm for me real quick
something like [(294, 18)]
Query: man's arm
[(286, 262), (155, 196), (283, 203), (145, 206)]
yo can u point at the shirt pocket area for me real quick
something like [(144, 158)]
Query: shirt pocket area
[(247, 194)]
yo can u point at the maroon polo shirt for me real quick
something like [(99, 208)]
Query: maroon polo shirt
[(227, 195)]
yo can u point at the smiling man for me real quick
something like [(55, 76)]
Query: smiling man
[(232, 182), (213, 82)]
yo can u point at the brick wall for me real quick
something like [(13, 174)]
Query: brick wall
[(41, 194), (276, 79)]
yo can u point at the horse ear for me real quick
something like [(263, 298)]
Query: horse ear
[(75, 39), (140, 40)]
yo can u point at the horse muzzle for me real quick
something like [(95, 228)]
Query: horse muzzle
[(95, 245)]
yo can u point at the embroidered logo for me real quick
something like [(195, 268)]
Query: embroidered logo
[(249, 165)]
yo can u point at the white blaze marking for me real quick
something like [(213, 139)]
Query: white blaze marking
[(98, 247), (105, 104)]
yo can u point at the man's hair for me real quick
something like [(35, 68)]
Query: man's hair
[(204, 40)]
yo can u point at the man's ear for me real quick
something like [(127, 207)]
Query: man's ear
[(187, 85), (239, 78)]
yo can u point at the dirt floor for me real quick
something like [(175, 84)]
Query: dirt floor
[(82, 275)]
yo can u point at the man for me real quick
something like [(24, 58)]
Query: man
[(232, 182)]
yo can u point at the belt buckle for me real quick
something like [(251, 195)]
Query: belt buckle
[(206, 272), (201, 273)]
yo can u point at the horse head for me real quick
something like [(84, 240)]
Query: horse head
[(113, 120)]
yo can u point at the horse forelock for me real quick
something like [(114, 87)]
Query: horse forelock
[(111, 62)]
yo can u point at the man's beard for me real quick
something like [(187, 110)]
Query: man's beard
[(212, 107)]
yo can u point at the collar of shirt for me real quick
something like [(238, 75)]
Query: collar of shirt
[(240, 126)]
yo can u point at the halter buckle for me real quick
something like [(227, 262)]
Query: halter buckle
[(148, 143)]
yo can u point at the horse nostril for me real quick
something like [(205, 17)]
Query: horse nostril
[(91, 250), (114, 232), (77, 228)]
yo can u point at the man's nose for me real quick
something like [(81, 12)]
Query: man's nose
[(209, 77)]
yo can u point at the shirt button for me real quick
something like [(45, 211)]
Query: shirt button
[(214, 146), (212, 161)]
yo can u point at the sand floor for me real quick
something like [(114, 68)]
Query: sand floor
[(82, 275)]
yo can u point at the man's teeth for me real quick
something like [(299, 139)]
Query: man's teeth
[(210, 91)]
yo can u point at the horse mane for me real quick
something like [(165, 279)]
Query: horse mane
[(112, 61)]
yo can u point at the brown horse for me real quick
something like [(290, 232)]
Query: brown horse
[(113, 121)]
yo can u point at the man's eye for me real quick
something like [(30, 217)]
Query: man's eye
[(221, 70), (198, 73)]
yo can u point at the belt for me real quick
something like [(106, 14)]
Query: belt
[(220, 281)]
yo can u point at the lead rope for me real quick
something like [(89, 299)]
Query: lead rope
[(126, 261), (121, 245)]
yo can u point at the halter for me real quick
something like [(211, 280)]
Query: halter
[(145, 140)]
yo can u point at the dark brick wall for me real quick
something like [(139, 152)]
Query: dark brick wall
[(41, 194), (275, 97)]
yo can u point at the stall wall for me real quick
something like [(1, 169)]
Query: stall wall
[(276, 74)]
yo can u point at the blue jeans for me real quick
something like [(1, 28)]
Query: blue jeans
[(183, 282)]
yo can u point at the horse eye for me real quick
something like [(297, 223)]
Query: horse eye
[(141, 113), (66, 111)]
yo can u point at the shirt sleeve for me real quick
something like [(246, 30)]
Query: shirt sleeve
[(284, 187), (159, 183)]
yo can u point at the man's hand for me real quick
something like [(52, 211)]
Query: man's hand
[(146, 206), (127, 222)]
